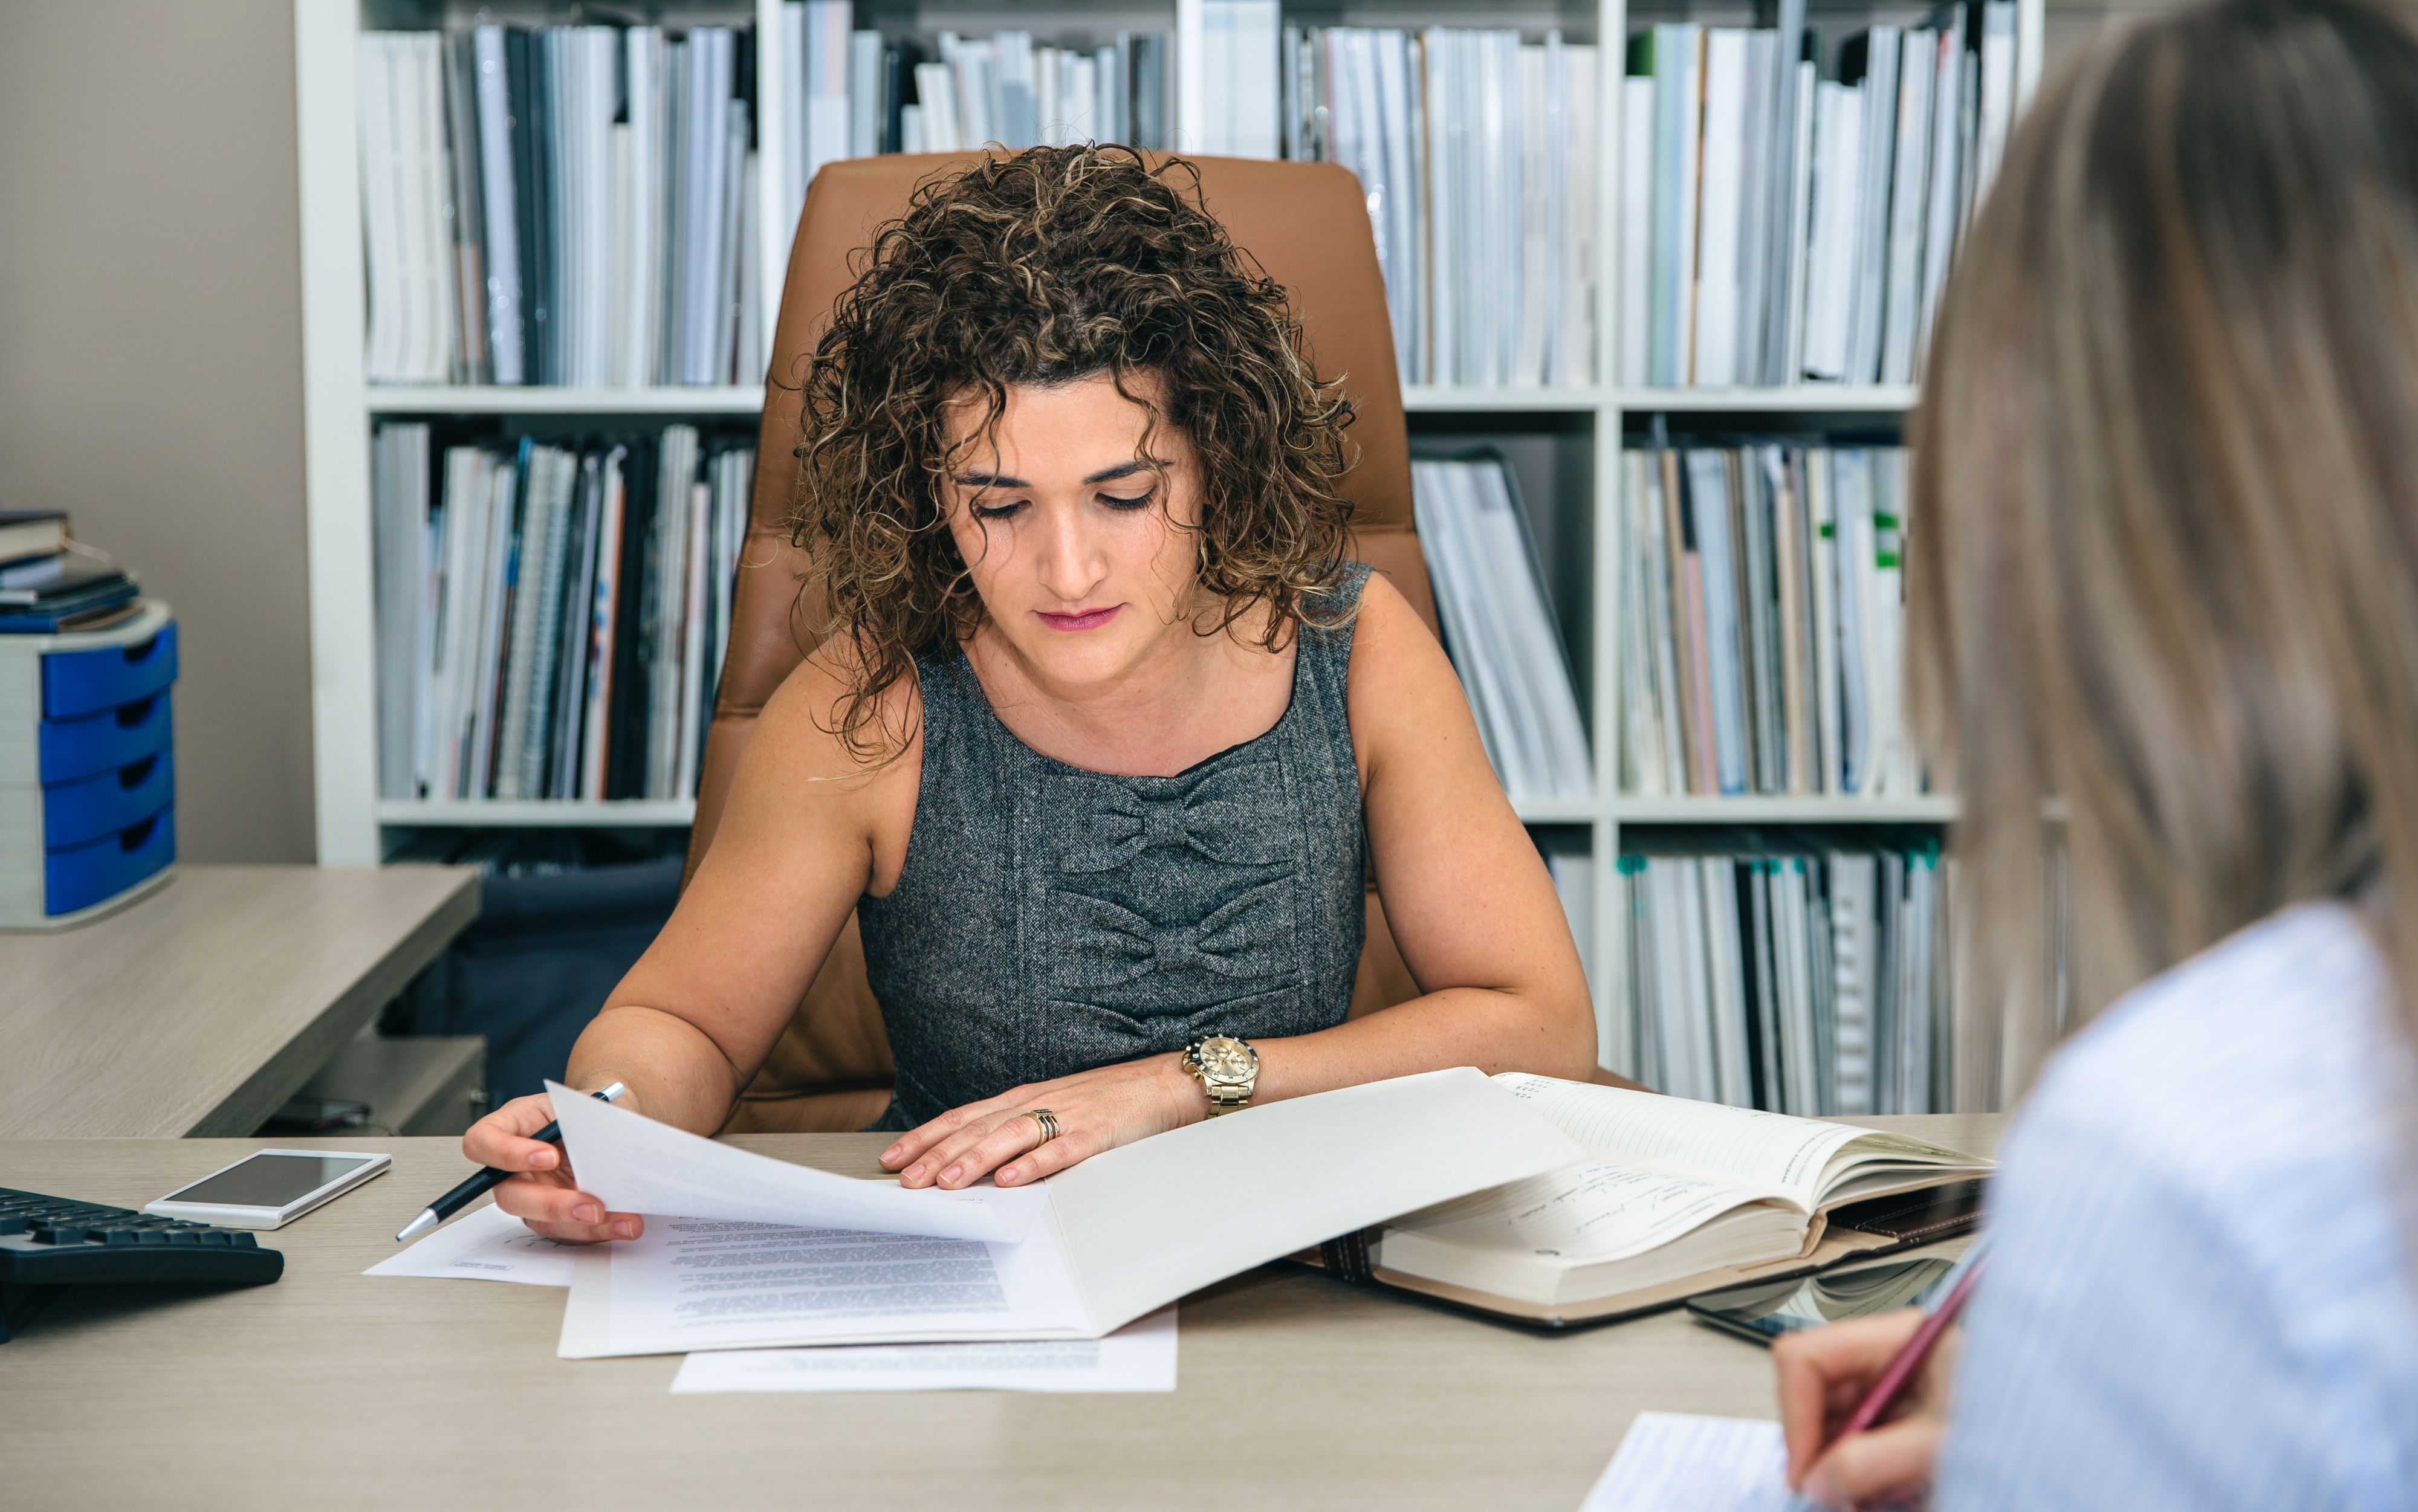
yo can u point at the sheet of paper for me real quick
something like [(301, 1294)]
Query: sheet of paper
[(1678, 1462), (636, 1164), (1139, 1356), (702, 1284), (485, 1244), (1149, 1222)]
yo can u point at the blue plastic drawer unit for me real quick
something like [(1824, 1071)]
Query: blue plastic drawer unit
[(87, 768), (104, 741), (77, 876), (87, 682)]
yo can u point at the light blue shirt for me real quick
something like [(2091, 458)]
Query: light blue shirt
[(2202, 1296)]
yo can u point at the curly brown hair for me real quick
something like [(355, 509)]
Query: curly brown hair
[(1044, 267)]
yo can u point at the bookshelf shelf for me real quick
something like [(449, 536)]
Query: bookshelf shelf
[(1426, 399), (1801, 399), (537, 400), (504, 814), (1760, 809)]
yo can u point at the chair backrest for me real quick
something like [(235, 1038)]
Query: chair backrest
[(1306, 225)]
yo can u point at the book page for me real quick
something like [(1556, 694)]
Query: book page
[(636, 1164), (1763, 1154), (1146, 1223), (1139, 1356), (703, 1284), (1581, 1214)]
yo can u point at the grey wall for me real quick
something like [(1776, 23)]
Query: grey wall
[(152, 365)]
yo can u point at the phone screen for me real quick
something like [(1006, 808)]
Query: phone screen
[(269, 1181), (1775, 1308)]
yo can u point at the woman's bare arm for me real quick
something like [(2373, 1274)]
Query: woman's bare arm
[(1466, 895), (805, 832)]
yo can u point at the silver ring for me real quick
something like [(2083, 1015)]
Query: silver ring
[(1046, 1121)]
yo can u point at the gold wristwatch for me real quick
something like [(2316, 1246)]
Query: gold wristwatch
[(1226, 1068)]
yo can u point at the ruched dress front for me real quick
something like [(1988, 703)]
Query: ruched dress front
[(1050, 920)]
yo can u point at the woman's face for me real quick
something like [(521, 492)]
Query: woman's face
[(1075, 528)]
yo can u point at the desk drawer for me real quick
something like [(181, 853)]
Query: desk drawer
[(74, 813), (87, 682), (82, 875), (114, 738)]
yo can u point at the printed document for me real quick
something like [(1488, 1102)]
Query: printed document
[(1139, 1356), (1679, 1462), (742, 1250), (636, 1164), (485, 1244)]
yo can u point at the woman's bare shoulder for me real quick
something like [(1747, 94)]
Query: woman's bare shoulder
[(804, 722)]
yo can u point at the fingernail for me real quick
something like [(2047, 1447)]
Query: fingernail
[(951, 1174), (916, 1172), (540, 1160), (890, 1155), (588, 1212), (1007, 1178), (626, 1228)]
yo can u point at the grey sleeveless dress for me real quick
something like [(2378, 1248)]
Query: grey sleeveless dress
[(1050, 920)]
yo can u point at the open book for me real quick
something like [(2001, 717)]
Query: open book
[(1673, 1198), (742, 1250)]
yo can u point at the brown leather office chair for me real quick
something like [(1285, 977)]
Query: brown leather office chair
[(1307, 225)]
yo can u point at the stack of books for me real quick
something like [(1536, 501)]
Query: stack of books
[(1499, 626), (1761, 621), (551, 618), (50, 583), (562, 205), (1010, 90), (858, 92), (1478, 155), (1810, 978), (1781, 227)]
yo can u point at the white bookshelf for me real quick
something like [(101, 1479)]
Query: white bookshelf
[(341, 406)]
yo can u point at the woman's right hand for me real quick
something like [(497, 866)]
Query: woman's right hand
[(541, 1192), (1823, 1375)]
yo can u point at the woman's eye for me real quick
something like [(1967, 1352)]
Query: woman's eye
[(1119, 501), (997, 512)]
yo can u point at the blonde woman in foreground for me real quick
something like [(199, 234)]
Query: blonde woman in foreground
[(2167, 572)]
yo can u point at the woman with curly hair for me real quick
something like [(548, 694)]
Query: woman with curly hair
[(1106, 735)]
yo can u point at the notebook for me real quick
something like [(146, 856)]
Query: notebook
[(1674, 1197)]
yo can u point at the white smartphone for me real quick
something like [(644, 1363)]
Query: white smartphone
[(269, 1188)]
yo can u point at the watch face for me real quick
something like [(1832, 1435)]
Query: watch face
[(1225, 1060)]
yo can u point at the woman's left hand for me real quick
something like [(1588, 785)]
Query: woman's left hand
[(1095, 1110)]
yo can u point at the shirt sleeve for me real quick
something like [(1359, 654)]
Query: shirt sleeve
[(2125, 1351)]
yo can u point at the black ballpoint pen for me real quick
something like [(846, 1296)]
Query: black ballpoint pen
[(487, 1180)]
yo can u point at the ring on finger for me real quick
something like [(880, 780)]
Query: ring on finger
[(1046, 1121)]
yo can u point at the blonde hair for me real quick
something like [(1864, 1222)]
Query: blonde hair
[(2165, 501)]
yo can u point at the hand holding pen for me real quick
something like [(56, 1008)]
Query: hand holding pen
[(1839, 1382), (530, 1177)]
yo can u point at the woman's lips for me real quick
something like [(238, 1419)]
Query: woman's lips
[(1085, 620)]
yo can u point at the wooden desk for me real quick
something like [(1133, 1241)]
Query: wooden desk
[(331, 1388), (199, 1009)]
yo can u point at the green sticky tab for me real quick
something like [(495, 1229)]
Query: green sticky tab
[(1887, 558), (1884, 522), (1826, 530), (1630, 866)]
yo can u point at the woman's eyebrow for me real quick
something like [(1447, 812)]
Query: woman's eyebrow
[(998, 479)]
